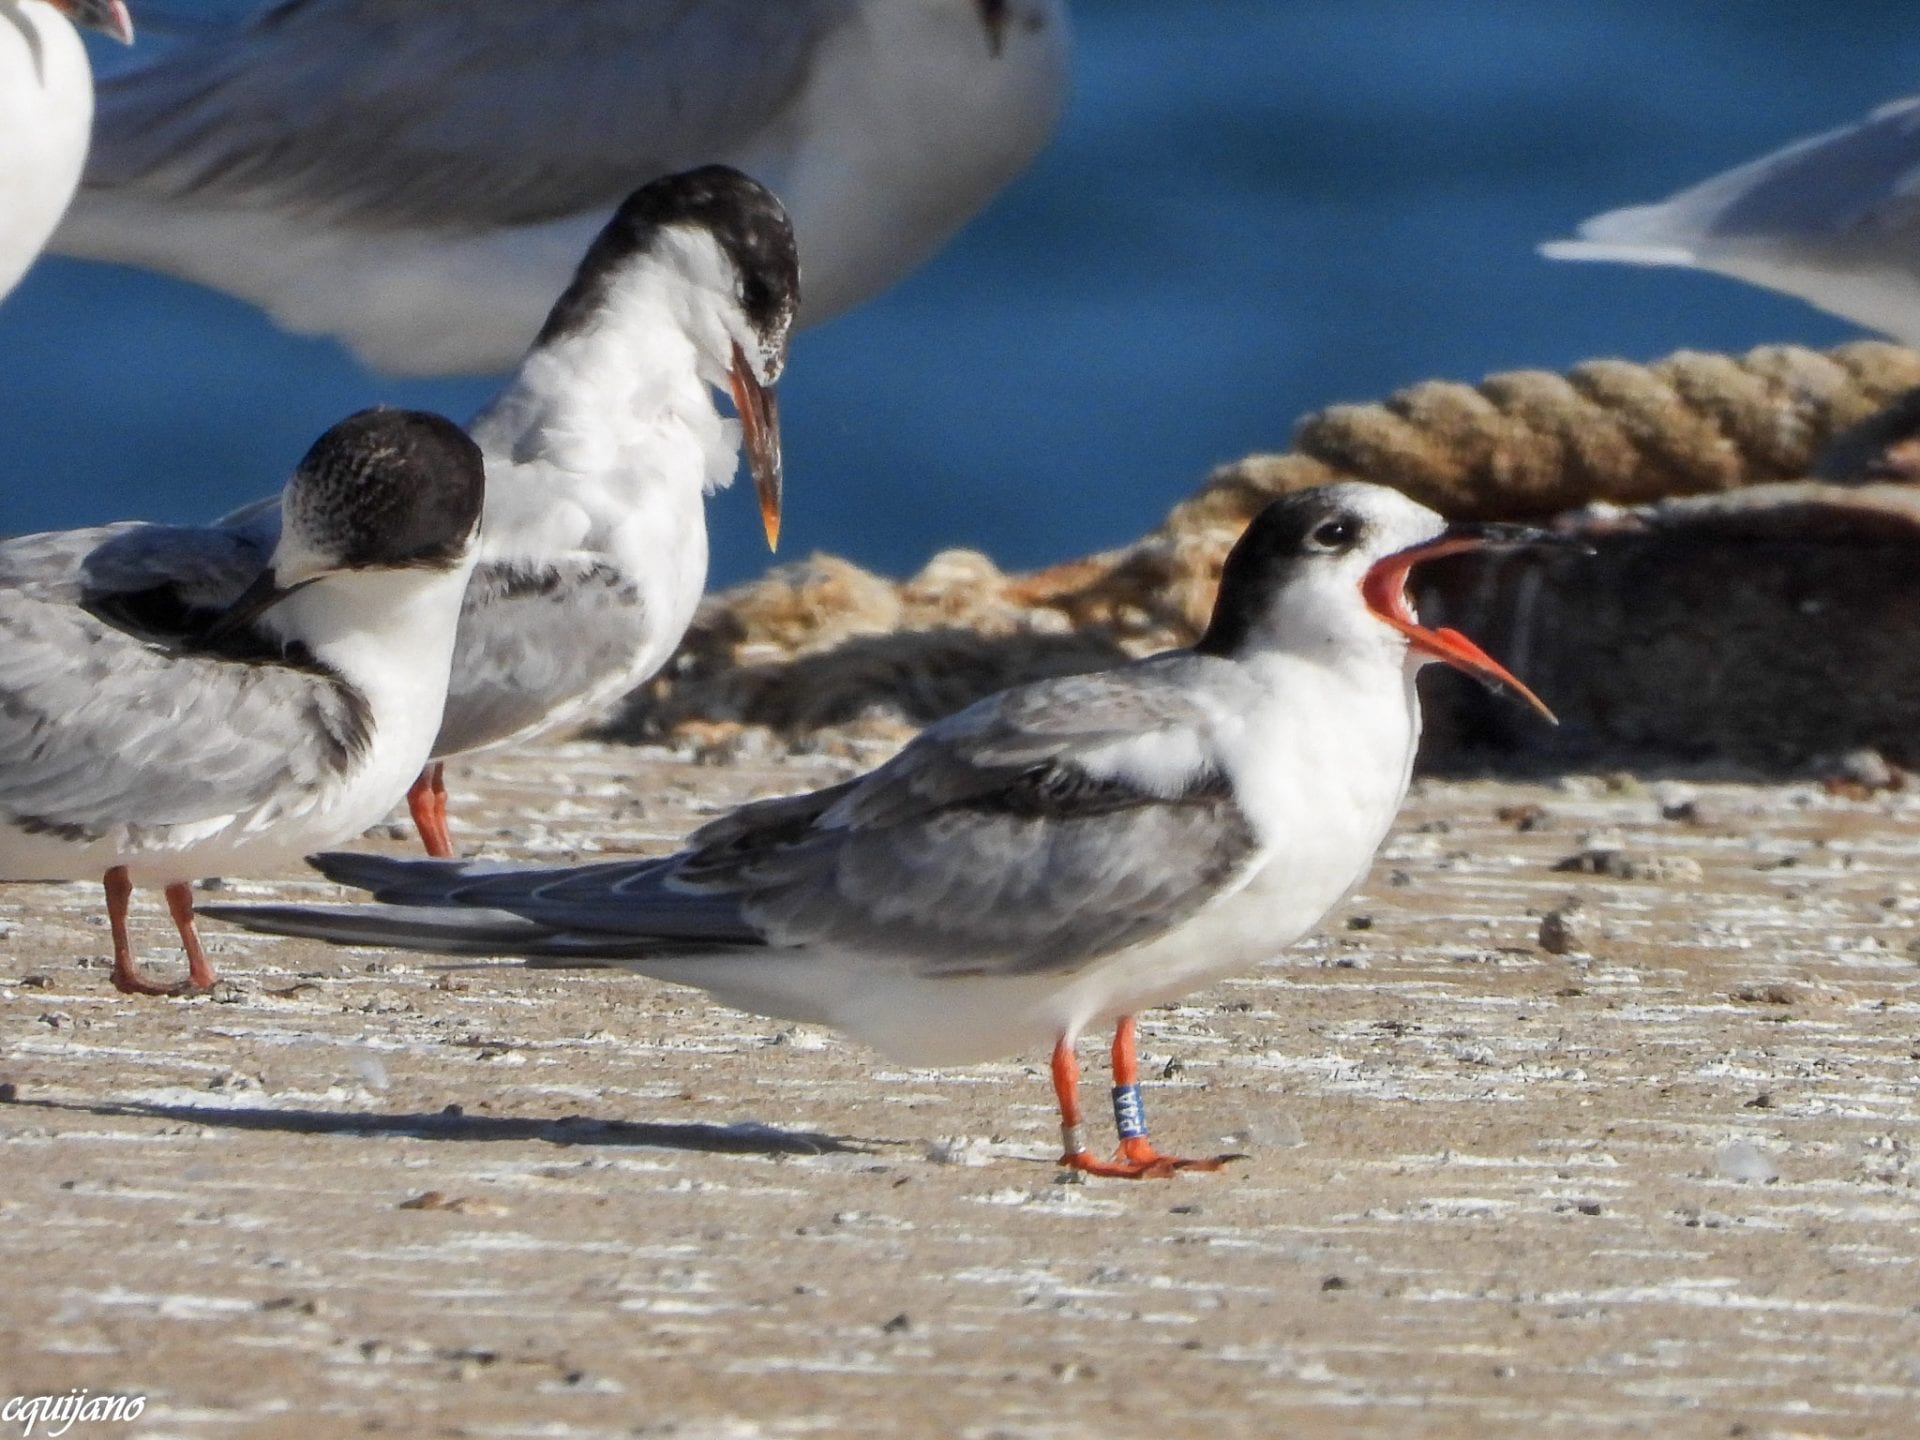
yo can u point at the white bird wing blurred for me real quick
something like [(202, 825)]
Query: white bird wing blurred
[(1834, 192), (390, 114), (1024, 835)]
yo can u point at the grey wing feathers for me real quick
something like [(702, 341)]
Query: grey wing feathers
[(984, 847), (533, 638), (1843, 181), (99, 729), (1045, 872), (480, 908), (1022, 834), (995, 741), (392, 114), (188, 568), (49, 563)]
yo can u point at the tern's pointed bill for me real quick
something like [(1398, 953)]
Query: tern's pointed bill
[(1385, 589), (759, 410), (109, 17)]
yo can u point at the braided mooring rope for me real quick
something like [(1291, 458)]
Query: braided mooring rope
[(1530, 442), (1520, 444)]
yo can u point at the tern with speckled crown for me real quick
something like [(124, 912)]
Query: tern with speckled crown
[(1056, 857), (294, 719)]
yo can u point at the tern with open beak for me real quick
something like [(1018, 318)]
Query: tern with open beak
[(1056, 857), (600, 452)]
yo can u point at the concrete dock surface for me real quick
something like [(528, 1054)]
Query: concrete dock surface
[(1594, 1113)]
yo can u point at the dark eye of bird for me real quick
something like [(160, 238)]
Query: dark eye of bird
[(1334, 535)]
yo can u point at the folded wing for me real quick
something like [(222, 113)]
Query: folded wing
[(1032, 833), (101, 730)]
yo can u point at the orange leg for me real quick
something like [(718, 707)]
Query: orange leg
[(1137, 1160), (440, 808), (1137, 1148), (427, 803), (199, 969), (127, 978)]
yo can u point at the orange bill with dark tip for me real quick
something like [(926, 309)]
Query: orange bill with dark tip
[(110, 17), (1385, 591), (759, 410)]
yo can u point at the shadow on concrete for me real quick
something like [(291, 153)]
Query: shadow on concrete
[(456, 1125)]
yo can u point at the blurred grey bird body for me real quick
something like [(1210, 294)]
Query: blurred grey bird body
[(418, 178), (1833, 219), (1054, 857)]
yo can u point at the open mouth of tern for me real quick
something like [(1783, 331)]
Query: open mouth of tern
[(1384, 589)]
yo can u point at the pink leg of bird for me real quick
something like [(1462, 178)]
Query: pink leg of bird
[(1137, 1159), (127, 978), (427, 803), (200, 974)]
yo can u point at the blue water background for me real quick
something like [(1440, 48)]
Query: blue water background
[(1255, 208)]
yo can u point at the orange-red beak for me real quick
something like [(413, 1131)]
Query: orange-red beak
[(759, 410), (107, 16), (1385, 591)]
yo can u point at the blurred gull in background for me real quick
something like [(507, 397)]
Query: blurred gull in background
[(1834, 219), (46, 110), (418, 177)]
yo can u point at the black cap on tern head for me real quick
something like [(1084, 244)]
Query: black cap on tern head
[(382, 490), (389, 489), (748, 224), (1374, 537), (1294, 529)]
